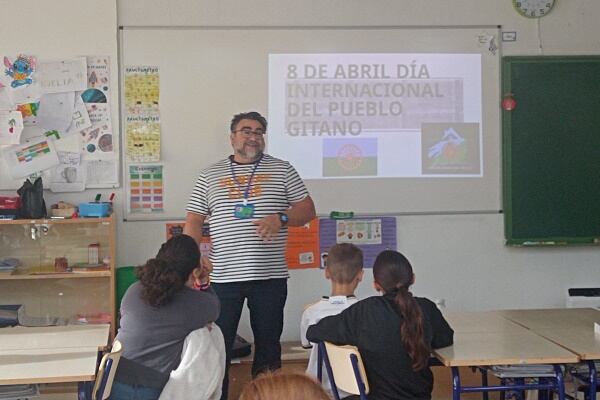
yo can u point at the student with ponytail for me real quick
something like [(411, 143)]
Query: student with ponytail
[(172, 298), (394, 333)]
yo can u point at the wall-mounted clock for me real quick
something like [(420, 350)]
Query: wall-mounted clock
[(533, 8)]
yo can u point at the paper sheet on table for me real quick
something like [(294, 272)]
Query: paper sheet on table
[(56, 111), (63, 75), (25, 159), (11, 127)]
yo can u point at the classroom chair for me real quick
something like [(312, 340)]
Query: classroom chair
[(345, 369), (106, 372)]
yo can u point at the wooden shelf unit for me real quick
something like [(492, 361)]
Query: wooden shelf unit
[(45, 292)]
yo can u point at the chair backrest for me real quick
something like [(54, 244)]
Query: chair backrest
[(345, 369), (106, 372)]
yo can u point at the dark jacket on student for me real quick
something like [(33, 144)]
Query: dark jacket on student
[(373, 325)]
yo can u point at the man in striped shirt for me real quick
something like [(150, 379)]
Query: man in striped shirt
[(251, 198)]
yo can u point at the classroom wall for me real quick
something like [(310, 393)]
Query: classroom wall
[(460, 259)]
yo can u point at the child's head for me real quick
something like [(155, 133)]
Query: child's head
[(344, 264), (283, 385), (391, 271), (394, 275)]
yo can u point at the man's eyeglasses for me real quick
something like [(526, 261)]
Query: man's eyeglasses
[(249, 132)]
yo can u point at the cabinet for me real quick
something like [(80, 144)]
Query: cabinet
[(82, 294)]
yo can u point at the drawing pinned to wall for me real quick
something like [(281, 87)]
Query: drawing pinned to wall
[(29, 113), (98, 79), (81, 118), (64, 75), (141, 86), (143, 136), (101, 173), (56, 111), (69, 175), (29, 158), (145, 188), (98, 138), (20, 75), (11, 127)]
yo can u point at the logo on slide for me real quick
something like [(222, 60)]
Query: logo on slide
[(350, 157), (451, 148)]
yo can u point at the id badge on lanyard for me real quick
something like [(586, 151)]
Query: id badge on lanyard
[(244, 210)]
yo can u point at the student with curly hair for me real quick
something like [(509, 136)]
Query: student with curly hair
[(394, 333), (171, 299)]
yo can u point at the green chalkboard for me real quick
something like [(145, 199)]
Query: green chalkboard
[(551, 150)]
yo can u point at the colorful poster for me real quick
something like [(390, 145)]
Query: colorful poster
[(145, 188), (141, 86), (143, 136), (29, 158), (98, 80), (372, 235), (98, 138), (302, 250), (362, 231)]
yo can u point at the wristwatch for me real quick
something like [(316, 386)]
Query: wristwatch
[(283, 218)]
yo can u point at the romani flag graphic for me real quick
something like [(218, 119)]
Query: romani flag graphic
[(350, 157)]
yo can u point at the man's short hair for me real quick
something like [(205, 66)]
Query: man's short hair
[(344, 262), (253, 115)]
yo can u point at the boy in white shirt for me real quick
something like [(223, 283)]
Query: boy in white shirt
[(344, 270)]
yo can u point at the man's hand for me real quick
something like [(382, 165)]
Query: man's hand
[(268, 227), (207, 268)]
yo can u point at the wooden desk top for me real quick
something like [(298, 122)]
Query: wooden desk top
[(571, 328), (480, 321), (48, 365), (554, 318), (519, 346), (52, 337)]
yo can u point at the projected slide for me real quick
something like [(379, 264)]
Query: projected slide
[(376, 115)]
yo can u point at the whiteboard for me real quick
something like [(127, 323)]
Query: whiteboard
[(209, 74), (58, 30)]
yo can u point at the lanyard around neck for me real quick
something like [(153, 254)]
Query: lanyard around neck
[(237, 182)]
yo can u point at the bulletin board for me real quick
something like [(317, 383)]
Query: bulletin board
[(61, 30)]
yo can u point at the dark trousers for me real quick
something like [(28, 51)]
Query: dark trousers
[(266, 300)]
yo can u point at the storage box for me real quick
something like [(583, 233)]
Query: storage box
[(94, 209), (9, 205)]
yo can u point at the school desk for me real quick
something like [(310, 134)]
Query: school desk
[(52, 354), (571, 328), (475, 344)]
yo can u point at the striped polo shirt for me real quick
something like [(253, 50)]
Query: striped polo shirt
[(238, 253)]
